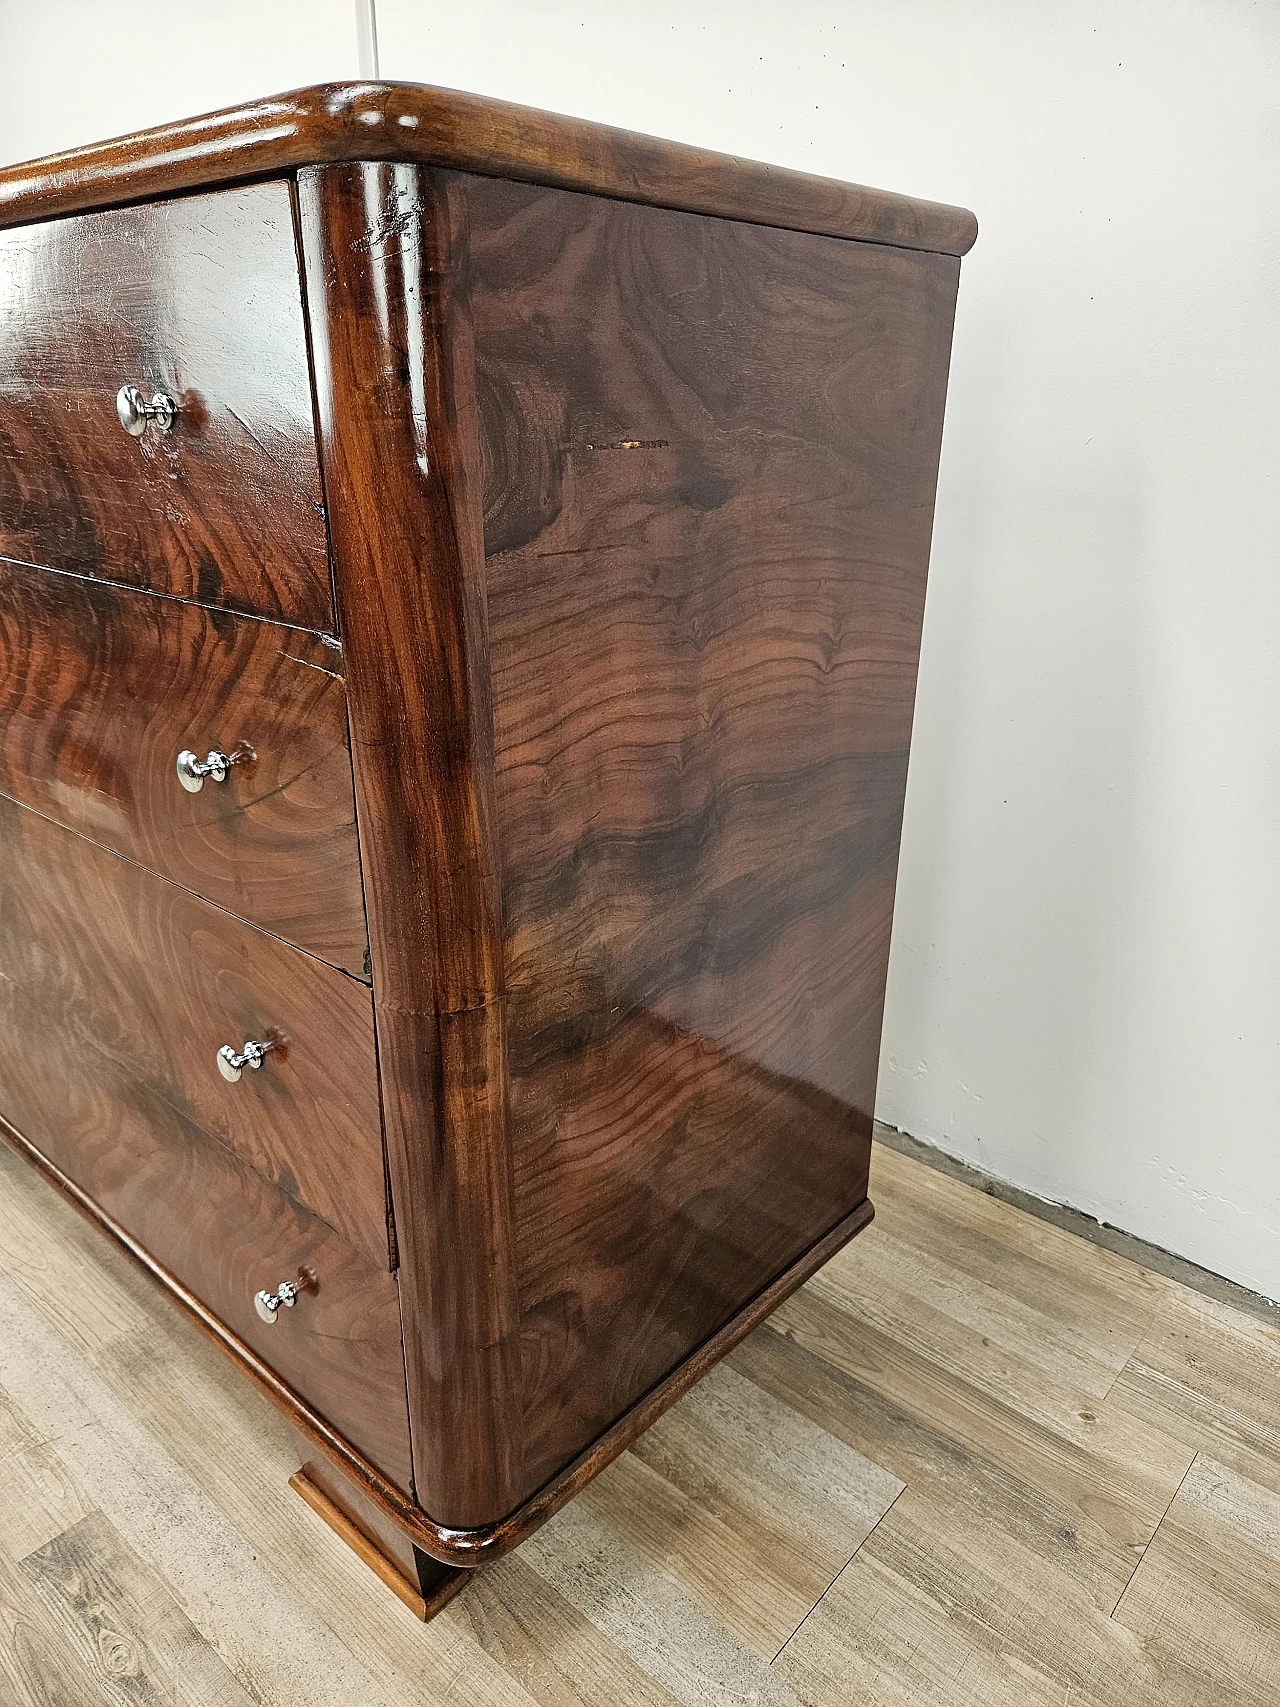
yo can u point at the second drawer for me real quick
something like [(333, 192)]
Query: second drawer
[(101, 689)]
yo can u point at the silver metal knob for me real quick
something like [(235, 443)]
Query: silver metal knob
[(192, 771), (267, 1304), (134, 410), (231, 1064)]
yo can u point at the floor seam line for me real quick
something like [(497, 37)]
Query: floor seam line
[(835, 1579), (1159, 1526), (1123, 1369)]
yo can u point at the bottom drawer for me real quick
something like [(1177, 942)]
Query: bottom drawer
[(79, 1084)]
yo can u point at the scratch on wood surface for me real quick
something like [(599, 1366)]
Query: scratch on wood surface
[(633, 444), (401, 212), (265, 449), (306, 662)]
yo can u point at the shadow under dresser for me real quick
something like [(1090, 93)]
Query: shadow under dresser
[(461, 581)]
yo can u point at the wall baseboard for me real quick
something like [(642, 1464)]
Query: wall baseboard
[(1129, 1245)]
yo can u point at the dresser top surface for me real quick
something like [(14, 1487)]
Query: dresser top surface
[(414, 123)]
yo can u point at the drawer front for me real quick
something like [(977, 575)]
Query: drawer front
[(124, 988), (102, 687), (116, 991), (198, 298)]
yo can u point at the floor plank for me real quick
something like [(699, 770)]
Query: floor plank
[(1209, 1376), (875, 1641), (1107, 1483), (36, 1670), (91, 1302), (40, 1496), (130, 1640), (932, 1478), (752, 1507), (1002, 1597), (972, 1324), (1207, 1593), (1094, 1299), (648, 1614), (557, 1655)]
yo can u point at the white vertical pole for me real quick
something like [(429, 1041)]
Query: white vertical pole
[(367, 39)]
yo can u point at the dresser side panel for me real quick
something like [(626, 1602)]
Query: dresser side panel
[(710, 455)]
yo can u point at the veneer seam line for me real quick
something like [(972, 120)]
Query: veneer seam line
[(325, 635)]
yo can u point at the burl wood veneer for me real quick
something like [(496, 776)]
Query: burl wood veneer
[(588, 482)]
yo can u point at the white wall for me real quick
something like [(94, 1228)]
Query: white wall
[(76, 71), (1083, 996)]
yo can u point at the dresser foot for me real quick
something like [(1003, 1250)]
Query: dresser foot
[(422, 1583)]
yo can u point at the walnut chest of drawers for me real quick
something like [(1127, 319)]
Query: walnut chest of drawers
[(461, 577)]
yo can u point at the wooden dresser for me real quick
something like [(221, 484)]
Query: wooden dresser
[(461, 576)]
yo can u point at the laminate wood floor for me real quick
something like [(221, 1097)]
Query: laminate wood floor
[(975, 1460)]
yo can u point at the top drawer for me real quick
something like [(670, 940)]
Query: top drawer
[(199, 298)]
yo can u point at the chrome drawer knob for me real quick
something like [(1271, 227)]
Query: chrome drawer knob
[(231, 1065), (134, 410), (192, 771), (267, 1304)]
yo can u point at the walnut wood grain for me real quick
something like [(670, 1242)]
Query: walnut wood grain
[(418, 125), (710, 452), (118, 989), (395, 397), (629, 511), (101, 688), (709, 455), (198, 296)]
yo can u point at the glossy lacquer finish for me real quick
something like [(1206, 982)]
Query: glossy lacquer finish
[(628, 456), (123, 989), (420, 126), (395, 386), (710, 455), (198, 296), (661, 676), (101, 688)]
